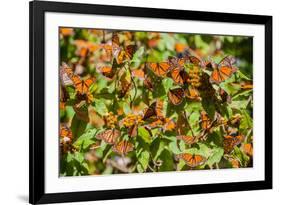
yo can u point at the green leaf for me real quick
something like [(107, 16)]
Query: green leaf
[(143, 158), (174, 147), (140, 168), (217, 154), (167, 84), (242, 75), (100, 107), (246, 121), (144, 134), (239, 104), (209, 107), (138, 56), (167, 161), (77, 126), (86, 139), (156, 147)]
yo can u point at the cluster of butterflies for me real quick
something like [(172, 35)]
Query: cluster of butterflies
[(68, 77), (173, 68)]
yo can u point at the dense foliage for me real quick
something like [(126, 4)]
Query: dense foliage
[(134, 102)]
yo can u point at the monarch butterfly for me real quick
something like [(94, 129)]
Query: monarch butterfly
[(182, 124), (192, 160), (125, 87), (65, 133), (107, 71), (109, 136), (194, 60), (192, 94), (205, 121), (82, 86), (123, 147), (66, 137), (176, 96), (133, 130), (224, 96), (248, 149), (148, 83), (176, 62), (64, 96), (179, 75), (223, 70), (159, 69), (186, 138), (139, 73), (130, 51), (169, 124), (115, 39), (66, 74), (154, 110), (66, 31), (230, 141)]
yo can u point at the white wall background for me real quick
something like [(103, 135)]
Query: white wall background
[(14, 100)]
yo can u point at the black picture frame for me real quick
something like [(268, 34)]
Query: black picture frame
[(37, 10)]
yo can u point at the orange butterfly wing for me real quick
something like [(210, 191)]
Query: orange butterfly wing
[(77, 83), (192, 160), (125, 87), (148, 83), (139, 73), (216, 77), (229, 142), (130, 50), (186, 138), (115, 39), (133, 131), (149, 112), (194, 60), (193, 94), (205, 121), (176, 96), (159, 108), (65, 132), (179, 75), (123, 147), (86, 85), (223, 71), (109, 136), (160, 69), (107, 71), (169, 124)]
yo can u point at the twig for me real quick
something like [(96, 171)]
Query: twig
[(187, 121), (151, 169), (134, 84)]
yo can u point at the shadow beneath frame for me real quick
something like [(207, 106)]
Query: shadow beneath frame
[(23, 198)]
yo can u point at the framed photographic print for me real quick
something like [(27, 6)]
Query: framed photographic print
[(140, 102)]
